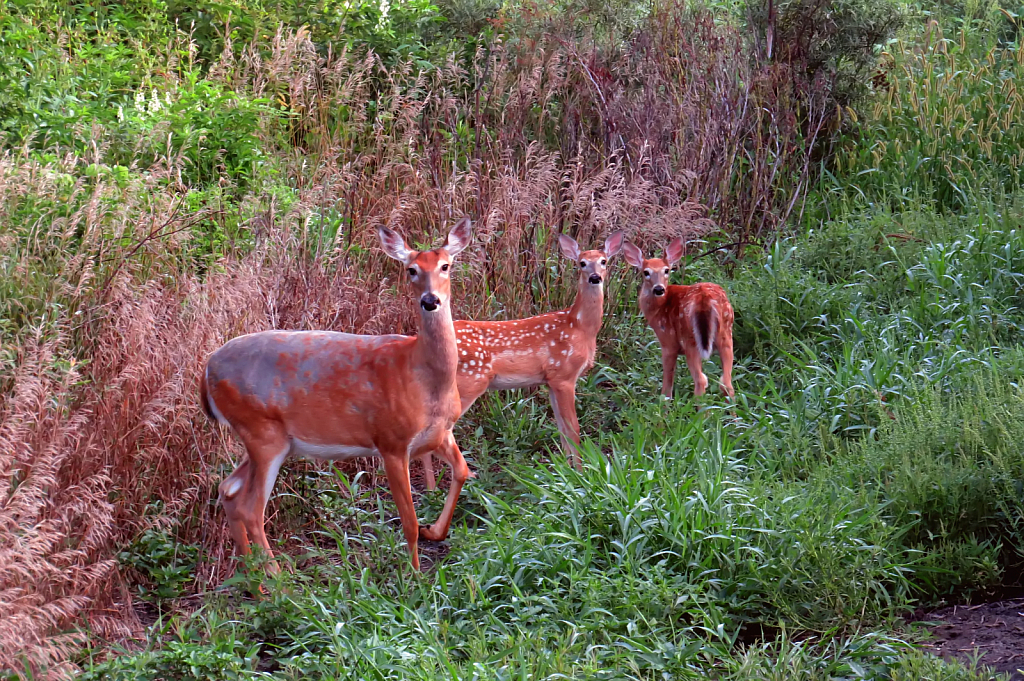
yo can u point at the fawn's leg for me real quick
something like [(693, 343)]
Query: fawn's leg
[(694, 364), (669, 357), (563, 403)]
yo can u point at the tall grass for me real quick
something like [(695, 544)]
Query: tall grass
[(946, 126)]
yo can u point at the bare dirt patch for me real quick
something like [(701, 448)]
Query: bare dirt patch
[(993, 631)]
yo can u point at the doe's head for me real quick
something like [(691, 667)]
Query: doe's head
[(429, 271), (655, 271), (592, 264)]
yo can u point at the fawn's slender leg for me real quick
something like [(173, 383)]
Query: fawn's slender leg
[(694, 364), (725, 352), (669, 357), (563, 403), (428, 470)]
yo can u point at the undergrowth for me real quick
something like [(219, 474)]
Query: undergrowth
[(792, 532)]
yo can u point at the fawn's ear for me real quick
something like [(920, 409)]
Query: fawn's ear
[(633, 255), (570, 248), (613, 244), (459, 237), (394, 245), (674, 252)]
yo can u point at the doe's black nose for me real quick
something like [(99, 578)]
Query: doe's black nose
[(659, 290), (595, 278), (429, 302)]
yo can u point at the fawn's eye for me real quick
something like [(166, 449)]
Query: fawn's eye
[(666, 271), (604, 261), (444, 267), (583, 263), (647, 273), (412, 271)]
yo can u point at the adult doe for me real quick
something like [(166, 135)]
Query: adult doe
[(335, 396)]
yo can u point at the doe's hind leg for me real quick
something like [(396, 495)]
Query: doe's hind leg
[(244, 493)]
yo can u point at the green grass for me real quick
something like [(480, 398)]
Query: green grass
[(784, 538)]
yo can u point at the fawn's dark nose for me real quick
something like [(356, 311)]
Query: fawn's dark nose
[(595, 278), (429, 302), (659, 290)]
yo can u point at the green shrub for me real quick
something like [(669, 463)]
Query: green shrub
[(948, 127), (166, 565), (834, 40), (393, 30), (202, 128), (947, 470)]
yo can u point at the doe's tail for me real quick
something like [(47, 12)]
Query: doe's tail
[(204, 398), (704, 321)]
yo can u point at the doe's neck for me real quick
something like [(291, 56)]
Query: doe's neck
[(436, 346)]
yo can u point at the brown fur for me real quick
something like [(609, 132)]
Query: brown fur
[(335, 396), (693, 320), (553, 349)]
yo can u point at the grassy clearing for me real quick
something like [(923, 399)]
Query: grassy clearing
[(790, 535)]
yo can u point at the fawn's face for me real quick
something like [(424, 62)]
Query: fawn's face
[(655, 271), (592, 265), (429, 272)]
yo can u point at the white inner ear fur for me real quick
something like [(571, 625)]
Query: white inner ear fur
[(633, 255), (613, 244), (570, 248), (395, 246), (459, 237)]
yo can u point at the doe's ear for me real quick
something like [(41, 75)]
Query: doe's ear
[(633, 255), (394, 245), (570, 248), (613, 244), (459, 237), (674, 252)]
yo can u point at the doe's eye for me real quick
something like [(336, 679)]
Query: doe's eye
[(647, 273), (583, 263), (604, 261), (666, 271), (412, 271), (444, 267)]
